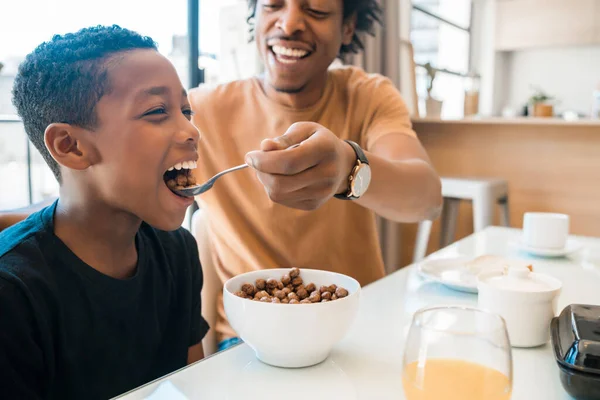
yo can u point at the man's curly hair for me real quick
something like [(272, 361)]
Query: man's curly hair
[(368, 13), (62, 80)]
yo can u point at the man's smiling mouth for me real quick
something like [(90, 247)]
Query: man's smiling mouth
[(288, 55)]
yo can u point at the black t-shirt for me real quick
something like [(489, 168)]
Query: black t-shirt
[(68, 331)]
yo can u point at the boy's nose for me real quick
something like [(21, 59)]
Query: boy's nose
[(189, 135)]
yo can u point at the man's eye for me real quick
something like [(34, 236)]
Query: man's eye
[(317, 13), (271, 7)]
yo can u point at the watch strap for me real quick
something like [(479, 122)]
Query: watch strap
[(360, 155)]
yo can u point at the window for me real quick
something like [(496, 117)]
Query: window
[(441, 36), (24, 176), (226, 53), (14, 189)]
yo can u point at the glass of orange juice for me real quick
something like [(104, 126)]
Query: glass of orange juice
[(456, 353)]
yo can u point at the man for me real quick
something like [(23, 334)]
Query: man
[(312, 206)]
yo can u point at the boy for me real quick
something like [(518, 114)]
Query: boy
[(100, 292)]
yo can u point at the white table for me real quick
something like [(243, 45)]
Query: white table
[(367, 363)]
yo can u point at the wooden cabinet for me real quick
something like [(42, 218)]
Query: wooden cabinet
[(522, 24)]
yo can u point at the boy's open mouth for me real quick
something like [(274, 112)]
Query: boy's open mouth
[(180, 176)]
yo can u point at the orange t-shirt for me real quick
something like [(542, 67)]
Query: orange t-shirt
[(249, 231)]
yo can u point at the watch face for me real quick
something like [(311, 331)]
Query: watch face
[(361, 180)]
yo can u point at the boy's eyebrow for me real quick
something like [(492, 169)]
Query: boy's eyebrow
[(158, 91), (154, 91)]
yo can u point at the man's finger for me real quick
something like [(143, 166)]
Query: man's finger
[(296, 133), (286, 162), (316, 176), (307, 190)]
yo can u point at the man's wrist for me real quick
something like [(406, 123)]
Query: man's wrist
[(349, 162)]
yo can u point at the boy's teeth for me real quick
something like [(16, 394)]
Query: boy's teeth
[(184, 165)]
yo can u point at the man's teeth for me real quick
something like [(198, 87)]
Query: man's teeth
[(284, 51), (184, 165), (286, 61)]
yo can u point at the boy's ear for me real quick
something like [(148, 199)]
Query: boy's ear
[(70, 146)]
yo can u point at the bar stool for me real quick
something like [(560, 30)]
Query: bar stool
[(483, 193)]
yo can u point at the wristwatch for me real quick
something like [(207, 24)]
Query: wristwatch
[(359, 178)]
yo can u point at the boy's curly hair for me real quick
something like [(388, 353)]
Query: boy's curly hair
[(62, 80), (368, 13)]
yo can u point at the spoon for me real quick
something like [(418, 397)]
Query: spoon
[(195, 190)]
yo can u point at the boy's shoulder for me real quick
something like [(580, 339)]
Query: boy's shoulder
[(22, 260), (23, 238)]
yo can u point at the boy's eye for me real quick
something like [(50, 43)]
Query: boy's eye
[(188, 113), (156, 111)]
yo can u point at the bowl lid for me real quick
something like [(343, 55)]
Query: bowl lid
[(575, 337), (521, 279)]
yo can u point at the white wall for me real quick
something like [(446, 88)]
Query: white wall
[(568, 73), (482, 52)]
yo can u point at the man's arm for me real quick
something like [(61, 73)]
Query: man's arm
[(404, 186)]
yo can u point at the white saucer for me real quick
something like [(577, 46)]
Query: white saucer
[(449, 272), (453, 273), (571, 247)]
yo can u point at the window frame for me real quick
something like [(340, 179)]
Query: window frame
[(467, 30)]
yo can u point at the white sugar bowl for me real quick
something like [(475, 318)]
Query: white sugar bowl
[(526, 300)]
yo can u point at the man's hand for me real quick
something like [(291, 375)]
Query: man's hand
[(307, 176)]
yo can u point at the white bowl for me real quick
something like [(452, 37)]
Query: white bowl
[(291, 335)]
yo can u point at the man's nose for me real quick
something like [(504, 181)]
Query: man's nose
[(291, 20)]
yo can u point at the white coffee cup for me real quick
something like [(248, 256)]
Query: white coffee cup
[(545, 230)]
